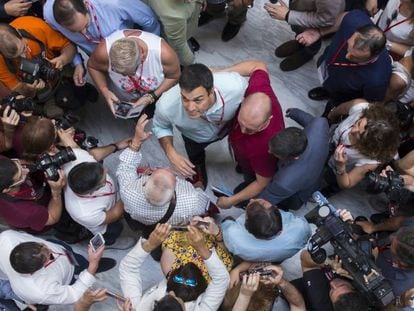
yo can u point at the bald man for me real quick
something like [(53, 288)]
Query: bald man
[(259, 118), (148, 197)]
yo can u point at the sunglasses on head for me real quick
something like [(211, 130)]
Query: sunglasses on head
[(180, 280)]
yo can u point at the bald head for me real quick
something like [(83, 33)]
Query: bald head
[(159, 187), (9, 41), (255, 112)]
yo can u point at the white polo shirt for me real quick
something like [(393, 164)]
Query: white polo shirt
[(89, 210)]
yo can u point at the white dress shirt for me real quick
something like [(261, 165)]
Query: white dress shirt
[(48, 286)]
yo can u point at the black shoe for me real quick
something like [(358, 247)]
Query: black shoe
[(73, 238), (230, 31), (318, 93), (194, 45), (204, 18), (92, 94), (288, 48), (106, 264), (201, 175), (295, 61)]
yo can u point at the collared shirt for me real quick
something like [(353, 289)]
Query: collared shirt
[(131, 283), (190, 201), (90, 210), (169, 112), (48, 285), (112, 15), (294, 236)]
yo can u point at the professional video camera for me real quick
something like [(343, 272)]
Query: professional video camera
[(38, 68), (392, 185), (366, 275), (405, 114), (51, 164), (20, 105)]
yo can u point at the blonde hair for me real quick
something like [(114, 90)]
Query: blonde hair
[(124, 54)]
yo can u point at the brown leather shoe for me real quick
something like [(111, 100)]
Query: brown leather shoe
[(295, 61), (288, 48)]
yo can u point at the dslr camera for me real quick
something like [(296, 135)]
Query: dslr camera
[(20, 105), (392, 185), (51, 164), (367, 277), (38, 68)]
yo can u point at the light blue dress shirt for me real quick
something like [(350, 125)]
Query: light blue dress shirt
[(169, 112), (294, 236), (112, 15)]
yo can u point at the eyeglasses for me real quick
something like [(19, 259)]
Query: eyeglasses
[(180, 280), (22, 176)]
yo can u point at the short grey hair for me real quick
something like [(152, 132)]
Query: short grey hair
[(159, 190), (124, 54)]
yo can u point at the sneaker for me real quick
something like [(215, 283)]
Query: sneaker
[(204, 18), (106, 264), (194, 45), (295, 61), (230, 31), (288, 48)]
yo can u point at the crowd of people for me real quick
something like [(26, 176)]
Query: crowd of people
[(56, 191)]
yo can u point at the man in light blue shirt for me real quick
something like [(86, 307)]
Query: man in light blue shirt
[(87, 22), (264, 233), (200, 107)]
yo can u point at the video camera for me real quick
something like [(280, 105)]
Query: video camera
[(20, 105), (405, 114), (38, 68), (51, 164), (366, 275)]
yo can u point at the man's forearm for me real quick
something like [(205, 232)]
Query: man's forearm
[(292, 295), (8, 138), (68, 53), (167, 144), (55, 208), (390, 224), (251, 191), (101, 153), (241, 303)]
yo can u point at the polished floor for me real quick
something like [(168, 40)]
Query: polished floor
[(257, 39)]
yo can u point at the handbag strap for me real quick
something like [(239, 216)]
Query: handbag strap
[(170, 210)]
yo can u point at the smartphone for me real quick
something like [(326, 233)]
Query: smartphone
[(97, 242), (122, 109), (115, 296), (179, 228)]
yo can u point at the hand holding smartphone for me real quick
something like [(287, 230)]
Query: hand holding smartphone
[(97, 242)]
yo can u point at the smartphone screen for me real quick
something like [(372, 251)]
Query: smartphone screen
[(123, 108), (97, 242)]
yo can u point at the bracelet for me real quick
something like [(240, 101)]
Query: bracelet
[(133, 147), (154, 97), (116, 147)]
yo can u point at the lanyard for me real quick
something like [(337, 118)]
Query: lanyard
[(92, 196), (217, 123), (334, 63), (29, 193), (95, 19), (137, 81), (396, 24), (54, 258)]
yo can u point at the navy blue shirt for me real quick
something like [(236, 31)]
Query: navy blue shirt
[(367, 81)]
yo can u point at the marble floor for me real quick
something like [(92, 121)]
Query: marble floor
[(257, 40)]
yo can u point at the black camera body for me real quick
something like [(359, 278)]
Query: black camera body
[(51, 164), (20, 105), (392, 185), (367, 277), (38, 68)]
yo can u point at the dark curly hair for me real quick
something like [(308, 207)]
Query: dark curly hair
[(381, 137)]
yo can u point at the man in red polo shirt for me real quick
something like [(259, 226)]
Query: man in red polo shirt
[(260, 117)]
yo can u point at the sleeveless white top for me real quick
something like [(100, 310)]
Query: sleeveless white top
[(149, 75)]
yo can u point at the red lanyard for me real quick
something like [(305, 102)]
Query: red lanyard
[(334, 63), (95, 18), (137, 82), (29, 193), (56, 258), (396, 24), (217, 123), (111, 192)]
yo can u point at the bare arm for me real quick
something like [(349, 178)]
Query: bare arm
[(292, 295), (343, 109), (114, 213), (251, 191), (245, 68), (180, 163), (66, 56), (350, 179), (55, 204), (389, 224), (398, 48)]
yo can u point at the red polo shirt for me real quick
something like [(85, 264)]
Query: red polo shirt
[(251, 151)]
